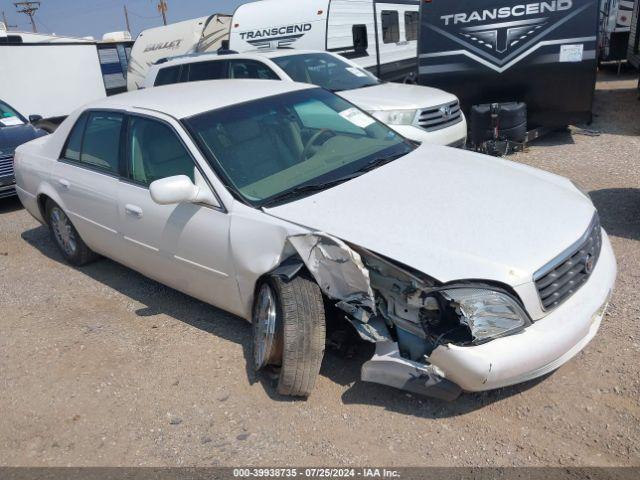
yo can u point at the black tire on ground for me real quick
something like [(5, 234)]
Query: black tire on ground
[(81, 254), (301, 334)]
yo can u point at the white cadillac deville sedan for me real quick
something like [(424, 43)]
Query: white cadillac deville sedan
[(282, 202)]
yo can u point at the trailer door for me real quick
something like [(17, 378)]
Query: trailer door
[(397, 39), (351, 31)]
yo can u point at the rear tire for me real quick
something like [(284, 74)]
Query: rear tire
[(66, 237), (298, 328)]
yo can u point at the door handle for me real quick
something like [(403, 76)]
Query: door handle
[(64, 183), (133, 210)]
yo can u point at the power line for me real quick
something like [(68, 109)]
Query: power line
[(29, 9)]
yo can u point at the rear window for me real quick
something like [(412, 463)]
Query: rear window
[(167, 76), (101, 142), (74, 143)]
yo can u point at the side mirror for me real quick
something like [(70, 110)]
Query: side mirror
[(34, 118), (180, 189)]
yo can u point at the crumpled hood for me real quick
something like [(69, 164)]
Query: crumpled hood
[(12, 137), (396, 96), (452, 214)]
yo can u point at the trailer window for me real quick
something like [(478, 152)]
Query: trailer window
[(411, 20), (360, 39), (207, 71), (167, 76), (390, 26)]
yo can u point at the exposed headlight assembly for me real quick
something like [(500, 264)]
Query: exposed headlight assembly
[(489, 314), (395, 117)]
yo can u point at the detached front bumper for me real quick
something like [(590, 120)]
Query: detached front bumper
[(452, 136), (539, 349)]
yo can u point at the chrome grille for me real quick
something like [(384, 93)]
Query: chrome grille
[(442, 116), (6, 165), (565, 274)]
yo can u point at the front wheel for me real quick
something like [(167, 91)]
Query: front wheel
[(289, 330)]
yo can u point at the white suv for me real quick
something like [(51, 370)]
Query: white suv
[(422, 114)]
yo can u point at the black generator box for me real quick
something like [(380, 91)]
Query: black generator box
[(542, 53), (498, 121)]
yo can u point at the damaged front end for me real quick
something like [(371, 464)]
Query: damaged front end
[(406, 313)]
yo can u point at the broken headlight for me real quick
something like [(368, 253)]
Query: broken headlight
[(489, 314), (395, 117)]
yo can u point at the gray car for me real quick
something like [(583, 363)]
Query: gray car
[(15, 130)]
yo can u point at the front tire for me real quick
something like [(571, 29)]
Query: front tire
[(289, 330), (67, 238)]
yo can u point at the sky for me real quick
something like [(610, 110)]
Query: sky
[(96, 17)]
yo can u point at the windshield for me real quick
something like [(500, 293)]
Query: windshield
[(9, 117), (326, 71), (266, 149)]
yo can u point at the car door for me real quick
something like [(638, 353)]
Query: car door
[(185, 246), (86, 179)]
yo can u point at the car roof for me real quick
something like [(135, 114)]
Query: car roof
[(182, 100), (253, 55)]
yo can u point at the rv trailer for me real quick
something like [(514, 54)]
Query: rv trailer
[(191, 36), (497, 51), (615, 26), (380, 36)]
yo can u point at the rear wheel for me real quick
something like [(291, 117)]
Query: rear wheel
[(289, 330), (66, 237)]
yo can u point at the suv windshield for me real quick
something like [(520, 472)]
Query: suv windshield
[(326, 71), (276, 149)]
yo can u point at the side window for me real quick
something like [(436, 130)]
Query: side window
[(156, 152), (390, 26), (207, 70), (167, 76), (74, 142), (411, 20), (250, 69), (101, 142)]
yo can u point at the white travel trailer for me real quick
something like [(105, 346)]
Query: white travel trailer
[(49, 76), (191, 36), (379, 35)]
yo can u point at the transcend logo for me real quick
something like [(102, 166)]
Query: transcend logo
[(508, 12), (276, 31), (163, 46)]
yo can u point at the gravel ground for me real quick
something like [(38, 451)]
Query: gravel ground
[(101, 366)]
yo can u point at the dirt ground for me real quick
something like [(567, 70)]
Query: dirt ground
[(101, 366)]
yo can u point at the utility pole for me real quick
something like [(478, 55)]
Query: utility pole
[(29, 9), (6, 22), (162, 8), (126, 18)]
